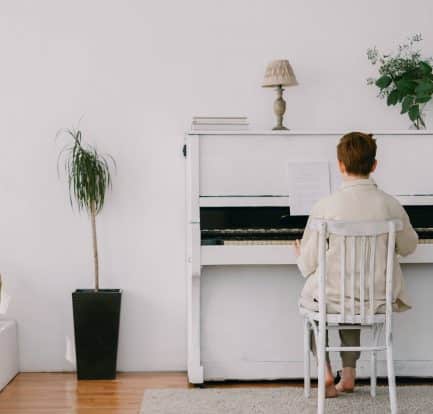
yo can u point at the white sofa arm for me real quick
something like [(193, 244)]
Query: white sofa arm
[(9, 365)]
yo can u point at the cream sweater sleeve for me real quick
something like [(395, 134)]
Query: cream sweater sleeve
[(406, 239), (307, 261)]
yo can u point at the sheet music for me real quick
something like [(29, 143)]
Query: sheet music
[(308, 182)]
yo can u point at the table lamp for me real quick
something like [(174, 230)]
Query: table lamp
[(279, 73)]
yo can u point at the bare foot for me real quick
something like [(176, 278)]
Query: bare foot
[(330, 390), (347, 382)]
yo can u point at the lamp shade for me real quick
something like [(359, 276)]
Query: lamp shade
[(279, 72)]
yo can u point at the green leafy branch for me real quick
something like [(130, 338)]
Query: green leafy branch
[(405, 78)]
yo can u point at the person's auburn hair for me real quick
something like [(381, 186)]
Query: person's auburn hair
[(357, 151)]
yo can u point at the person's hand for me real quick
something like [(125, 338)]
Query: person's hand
[(297, 248)]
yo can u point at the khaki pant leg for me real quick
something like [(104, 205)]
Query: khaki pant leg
[(313, 344), (350, 337)]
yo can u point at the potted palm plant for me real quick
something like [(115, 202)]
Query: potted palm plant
[(96, 311)]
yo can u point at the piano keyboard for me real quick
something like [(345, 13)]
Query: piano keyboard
[(282, 242), (230, 238), (256, 242), (274, 236)]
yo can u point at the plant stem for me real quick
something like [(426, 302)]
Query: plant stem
[(95, 245)]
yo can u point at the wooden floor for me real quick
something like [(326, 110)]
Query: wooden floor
[(61, 393)]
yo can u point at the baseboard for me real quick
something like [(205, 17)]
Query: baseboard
[(257, 370)]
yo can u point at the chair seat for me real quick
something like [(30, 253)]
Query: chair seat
[(336, 318)]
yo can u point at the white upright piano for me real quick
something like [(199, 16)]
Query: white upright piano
[(242, 281)]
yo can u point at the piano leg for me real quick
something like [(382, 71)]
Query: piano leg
[(195, 369), (193, 263)]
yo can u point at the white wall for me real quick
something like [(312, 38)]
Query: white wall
[(136, 71)]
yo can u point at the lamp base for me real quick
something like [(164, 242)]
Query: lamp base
[(279, 109)]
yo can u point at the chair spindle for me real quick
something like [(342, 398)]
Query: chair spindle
[(342, 278), (352, 281)]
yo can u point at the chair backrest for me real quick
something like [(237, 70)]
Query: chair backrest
[(360, 265)]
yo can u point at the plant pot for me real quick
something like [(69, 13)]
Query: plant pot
[(96, 326)]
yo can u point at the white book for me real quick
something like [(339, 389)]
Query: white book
[(219, 127), (210, 122), (220, 120)]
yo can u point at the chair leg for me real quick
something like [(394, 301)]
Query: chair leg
[(321, 371), (307, 369), (373, 373), (391, 376)]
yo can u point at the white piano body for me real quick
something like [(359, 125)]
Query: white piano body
[(243, 321)]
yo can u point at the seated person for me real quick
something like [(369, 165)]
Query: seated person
[(359, 198)]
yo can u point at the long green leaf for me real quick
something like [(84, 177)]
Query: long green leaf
[(407, 103), (89, 175), (393, 97), (414, 113)]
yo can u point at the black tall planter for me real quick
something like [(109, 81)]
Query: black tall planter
[(96, 323)]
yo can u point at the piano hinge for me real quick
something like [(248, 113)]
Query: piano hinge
[(184, 150)]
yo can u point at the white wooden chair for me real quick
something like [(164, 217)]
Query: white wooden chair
[(320, 321)]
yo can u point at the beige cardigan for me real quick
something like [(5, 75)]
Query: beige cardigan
[(356, 200)]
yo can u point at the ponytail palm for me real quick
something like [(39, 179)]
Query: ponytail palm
[(89, 179)]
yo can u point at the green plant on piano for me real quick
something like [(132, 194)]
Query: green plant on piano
[(405, 78)]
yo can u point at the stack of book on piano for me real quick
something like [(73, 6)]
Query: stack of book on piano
[(219, 123)]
